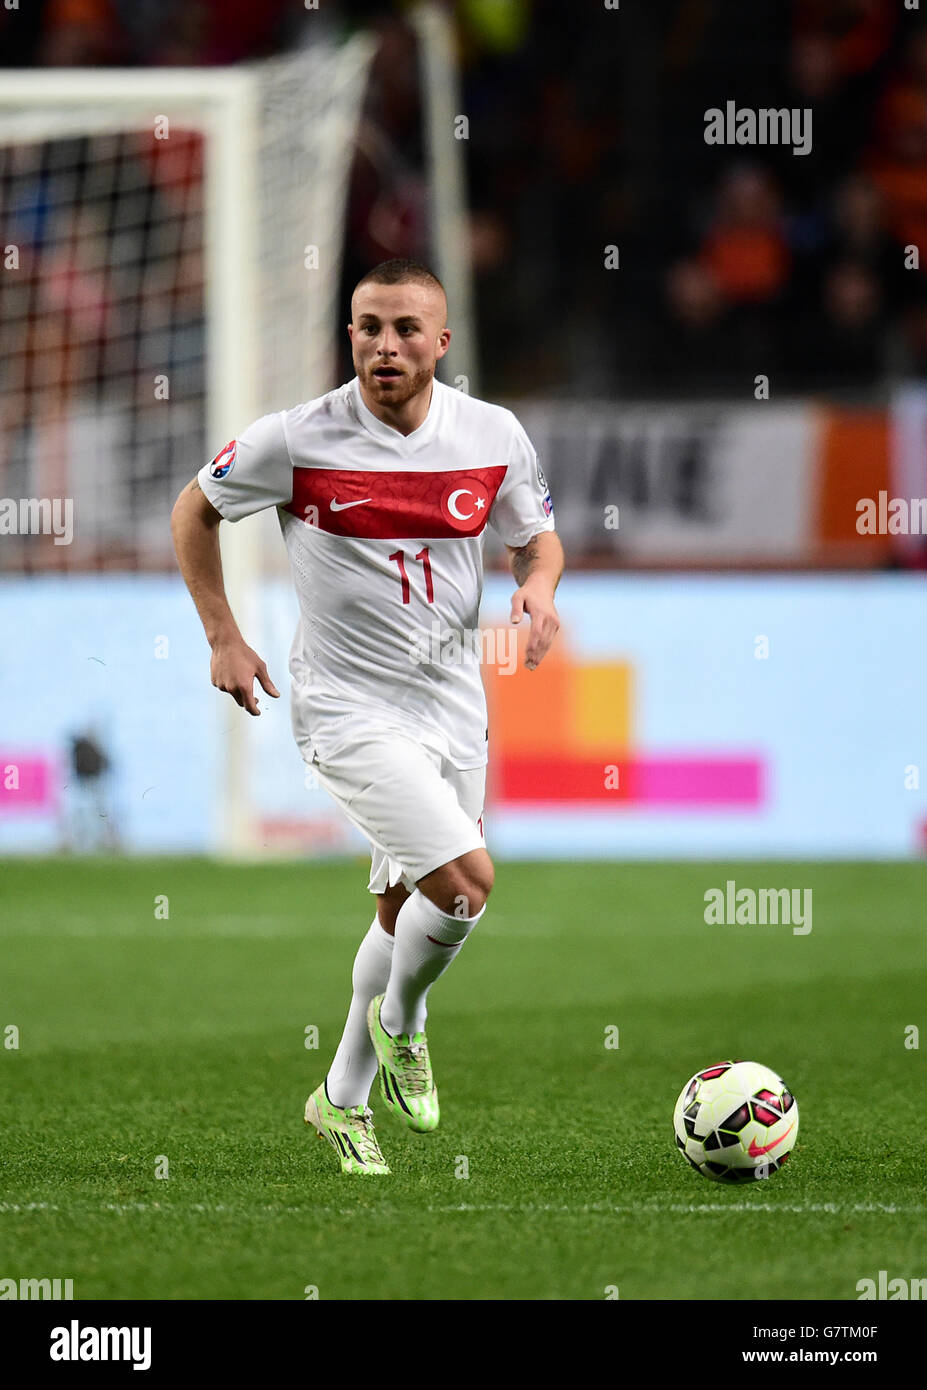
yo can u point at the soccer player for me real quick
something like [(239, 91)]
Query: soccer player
[(384, 488)]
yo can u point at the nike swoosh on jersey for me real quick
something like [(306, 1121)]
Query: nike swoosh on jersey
[(340, 506)]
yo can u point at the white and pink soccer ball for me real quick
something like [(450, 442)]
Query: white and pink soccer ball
[(736, 1122)]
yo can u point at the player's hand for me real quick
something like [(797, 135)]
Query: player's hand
[(538, 603), (233, 669)]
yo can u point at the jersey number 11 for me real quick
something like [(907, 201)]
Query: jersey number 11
[(400, 558)]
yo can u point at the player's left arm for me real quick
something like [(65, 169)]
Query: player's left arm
[(537, 567)]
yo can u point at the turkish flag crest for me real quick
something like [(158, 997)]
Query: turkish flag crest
[(465, 504)]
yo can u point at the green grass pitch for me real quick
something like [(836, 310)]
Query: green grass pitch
[(142, 1038)]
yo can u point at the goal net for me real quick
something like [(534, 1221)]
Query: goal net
[(172, 246)]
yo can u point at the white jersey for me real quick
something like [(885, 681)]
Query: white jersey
[(384, 533)]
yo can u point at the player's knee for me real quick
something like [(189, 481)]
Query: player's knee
[(485, 880), (462, 886), (473, 886), (466, 902)]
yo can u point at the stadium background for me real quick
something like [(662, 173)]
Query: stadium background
[(738, 682), (778, 715)]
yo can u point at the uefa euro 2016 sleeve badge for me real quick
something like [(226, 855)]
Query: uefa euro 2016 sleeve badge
[(224, 461)]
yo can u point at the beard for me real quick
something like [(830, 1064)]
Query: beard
[(403, 389)]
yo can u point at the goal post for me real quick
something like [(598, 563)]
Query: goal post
[(183, 234), (445, 146), (226, 235)]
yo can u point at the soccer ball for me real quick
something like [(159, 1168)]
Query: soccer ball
[(736, 1121)]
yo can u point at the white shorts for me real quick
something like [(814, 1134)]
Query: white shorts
[(415, 807)]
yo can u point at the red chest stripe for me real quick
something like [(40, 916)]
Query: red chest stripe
[(395, 505)]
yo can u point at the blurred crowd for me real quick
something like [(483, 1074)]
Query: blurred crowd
[(587, 132), (149, 33), (811, 264)]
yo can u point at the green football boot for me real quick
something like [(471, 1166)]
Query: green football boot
[(406, 1083), (350, 1133)]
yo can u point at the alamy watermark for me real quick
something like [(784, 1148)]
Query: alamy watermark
[(742, 125), (55, 1290), (76, 1343), (891, 1289), (891, 516), (732, 906), (444, 646), (38, 516)]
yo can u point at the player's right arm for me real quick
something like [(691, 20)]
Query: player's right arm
[(234, 666)]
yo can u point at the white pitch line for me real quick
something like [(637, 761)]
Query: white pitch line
[(176, 930), (675, 1208), (593, 1208), (27, 1206)]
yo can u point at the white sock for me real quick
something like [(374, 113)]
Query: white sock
[(427, 940), (354, 1066)]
